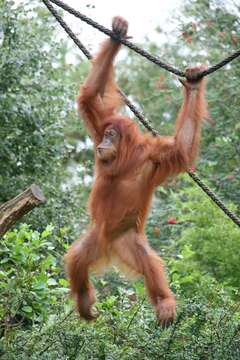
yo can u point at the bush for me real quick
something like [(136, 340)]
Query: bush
[(29, 276), (39, 323), (128, 330), (211, 235)]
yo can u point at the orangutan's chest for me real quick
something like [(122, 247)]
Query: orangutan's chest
[(135, 184)]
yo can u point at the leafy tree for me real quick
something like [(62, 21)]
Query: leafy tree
[(36, 104), (32, 115)]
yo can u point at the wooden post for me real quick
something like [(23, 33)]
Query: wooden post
[(15, 208)]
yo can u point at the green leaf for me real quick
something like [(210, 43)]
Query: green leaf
[(27, 309), (63, 282)]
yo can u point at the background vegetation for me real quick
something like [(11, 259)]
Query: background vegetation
[(43, 141)]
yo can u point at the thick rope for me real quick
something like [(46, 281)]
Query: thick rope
[(153, 58), (219, 65), (138, 114), (129, 44), (214, 197), (85, 51), (67, 29), (142, 119)]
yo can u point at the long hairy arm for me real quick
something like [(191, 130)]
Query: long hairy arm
[(99, 96), (177, 153)]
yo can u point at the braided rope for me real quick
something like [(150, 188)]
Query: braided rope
[(129, 44), (142, 119), (153, 58), (214, 197), (67, 29), (138, 114), (222, 63), (85, 51)]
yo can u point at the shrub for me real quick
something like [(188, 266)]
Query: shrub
[(211, 235), (30, 276)]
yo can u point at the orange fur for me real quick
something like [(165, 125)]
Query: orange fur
[(122, 190)]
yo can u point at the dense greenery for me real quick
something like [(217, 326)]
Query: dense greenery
[(36, 102), (43, 141), (32, 99), (29, 275)]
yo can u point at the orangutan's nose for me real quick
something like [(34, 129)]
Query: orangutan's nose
[(99, 150)]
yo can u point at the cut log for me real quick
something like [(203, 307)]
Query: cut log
[(14, 209)]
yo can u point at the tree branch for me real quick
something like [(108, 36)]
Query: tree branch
[(17, 207)]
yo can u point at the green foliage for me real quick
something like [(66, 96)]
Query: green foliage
[(127, 330), (187, 276), (36, 101), (29, 277), (33, 292), (210, 239), (31, 94)]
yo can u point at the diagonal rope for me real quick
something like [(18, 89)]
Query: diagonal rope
[(67, 29), (85, 51), (214, 197), (142, 119), (153, 58)]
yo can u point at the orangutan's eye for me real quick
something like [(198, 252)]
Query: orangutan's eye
[(111, 133)]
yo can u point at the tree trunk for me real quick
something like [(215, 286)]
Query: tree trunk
[(15, 208)]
